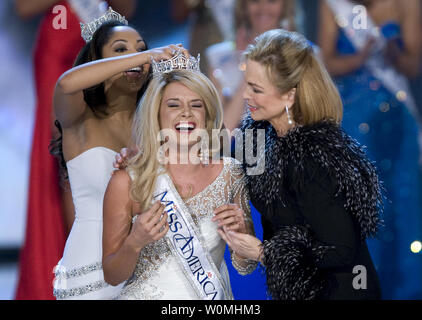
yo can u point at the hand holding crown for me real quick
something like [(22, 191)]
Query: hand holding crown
[(164, 61), (160, 58), (167, 52)]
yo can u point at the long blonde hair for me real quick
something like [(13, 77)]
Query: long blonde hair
[(144, 166), (290, 62), (287, 18)]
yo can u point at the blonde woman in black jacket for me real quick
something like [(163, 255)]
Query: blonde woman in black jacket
[(319, 196)]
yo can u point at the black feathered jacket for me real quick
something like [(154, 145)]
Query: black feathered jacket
[(319, 198)]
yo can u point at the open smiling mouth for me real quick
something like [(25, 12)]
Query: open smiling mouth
[(185, 127), (134, 73)]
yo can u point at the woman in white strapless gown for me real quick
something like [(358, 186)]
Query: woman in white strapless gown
[(79, 273), (94, 104)]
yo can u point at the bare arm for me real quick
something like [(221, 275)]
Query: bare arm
[(68, 95), (327, 37), (122, 241), (29, 8), (408, 60)]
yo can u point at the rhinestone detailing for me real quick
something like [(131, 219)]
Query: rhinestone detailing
[(88, 30), (77, 272), (243, 270), (149, 292), (62, 275), (178, 62), (228, 187), (79, 291)]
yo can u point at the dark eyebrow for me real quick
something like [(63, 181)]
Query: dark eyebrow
[(125, 41), (119, 40)]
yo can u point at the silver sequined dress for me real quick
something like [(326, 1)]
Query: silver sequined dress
[(158, 276)]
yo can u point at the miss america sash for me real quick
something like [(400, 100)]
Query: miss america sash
[(187, 244), (396, 83), (88, 10)]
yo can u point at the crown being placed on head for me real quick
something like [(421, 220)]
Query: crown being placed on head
[(178, 62), (88, 30)]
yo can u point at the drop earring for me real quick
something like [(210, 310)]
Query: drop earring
[(204, 156), (289, 118)]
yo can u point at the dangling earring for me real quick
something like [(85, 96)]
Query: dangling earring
[(289, 118), (204, 157)]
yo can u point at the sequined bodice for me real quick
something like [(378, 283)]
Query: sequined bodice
[(223, 190)]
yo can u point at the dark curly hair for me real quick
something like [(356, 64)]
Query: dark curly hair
[(95, 96)]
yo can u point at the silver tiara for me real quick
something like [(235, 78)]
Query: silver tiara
[(179, 61), (88, 30)]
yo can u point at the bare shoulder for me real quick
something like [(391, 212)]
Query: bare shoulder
[(117, 200), (120, 181)]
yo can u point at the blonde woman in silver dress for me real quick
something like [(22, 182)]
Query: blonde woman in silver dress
[(169, 248)]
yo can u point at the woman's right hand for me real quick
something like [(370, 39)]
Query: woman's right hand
[(149, 226), (167, 52), (120, 160)]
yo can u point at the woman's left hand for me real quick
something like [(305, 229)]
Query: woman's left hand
[(244, 245), (230, 217)]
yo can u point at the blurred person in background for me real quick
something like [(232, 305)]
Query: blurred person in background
[(251, 18), (372, 48), (50, 210), (211, 22)]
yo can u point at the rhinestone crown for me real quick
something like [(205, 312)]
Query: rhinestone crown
[(88, 30), (179, 61)]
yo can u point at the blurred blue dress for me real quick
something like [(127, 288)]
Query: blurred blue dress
[(379, 113)]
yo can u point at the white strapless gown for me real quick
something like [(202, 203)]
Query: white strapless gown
[(79, 273)]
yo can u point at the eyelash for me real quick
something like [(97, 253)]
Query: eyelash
[(176, 105), (124, 49)]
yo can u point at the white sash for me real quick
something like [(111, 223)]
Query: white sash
[(380, 68), (187, 244), (88, 10)]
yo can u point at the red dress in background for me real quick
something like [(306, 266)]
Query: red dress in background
[(45, 237)]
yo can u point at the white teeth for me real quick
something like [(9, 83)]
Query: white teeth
[(185, 126), (137, 69)]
